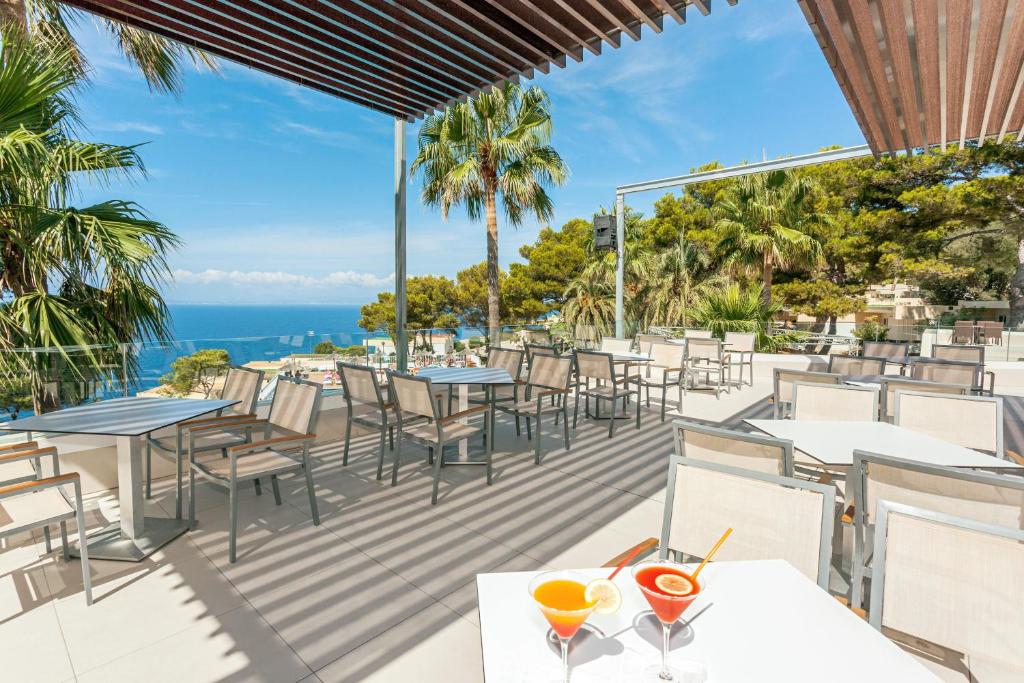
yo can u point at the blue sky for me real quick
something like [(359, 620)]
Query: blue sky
[(284, 195)]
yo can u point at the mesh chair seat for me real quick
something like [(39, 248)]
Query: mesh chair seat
[(452, 431), (209, 439), (607, 391), (530, 407), (32, 508), (19, 469), (260, 463)]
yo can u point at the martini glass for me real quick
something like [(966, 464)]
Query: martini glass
[(560, 596), (667, 607)]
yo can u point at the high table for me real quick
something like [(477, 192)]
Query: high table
[(755, 621), (833, 443), (488, 378), (135, 536)]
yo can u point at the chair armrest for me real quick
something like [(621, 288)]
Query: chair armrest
[(38, 484), (23, 446), (28, 455), (847, 517), (642, 549), (246, 422), (463, 413), (267, 443), (856, 610), (550, 392), (1014, 456), (215, 420)]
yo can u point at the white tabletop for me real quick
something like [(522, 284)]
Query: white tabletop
[(755, 621), (130, 416), (467, 375), (630, 357), (833, 443)]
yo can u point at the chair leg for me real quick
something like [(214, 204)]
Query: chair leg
[(83, 553), (380, 454), (232, 519), (277, 489), (46, 539), (348, 439), (664, 394), (430, 455), (178, 475), (149, 468), (64, 540), (313, 509), (638, 410), (611, 416), (529, 433), (536, 445), (565, 424), (437, 471), (519, 432), (259, 487), (398, 456), (391, 436), (576, 409), (191, 498)]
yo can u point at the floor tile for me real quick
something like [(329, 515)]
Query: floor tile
[(33, 647), (463, 599)]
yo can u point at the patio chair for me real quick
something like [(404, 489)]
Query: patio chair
[(981, 496), (890, 385), (616, 345), (644, 342), (964, 332), (366, 407), (854, 366), (293, 415), (947, 372), (536, 349), (961, 619), (970, 421), (19, 469), (895, 353), (549, 376), (586, 337), (990, 332), (240, 384), (666, 367), (783, 380), (414, 397), (741, 346), (835, 403), (705, 498), (610, 386), (707, 357), (968, 354), (32, 502), (735, 449)]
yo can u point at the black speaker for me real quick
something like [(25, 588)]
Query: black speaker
[(604, 232)]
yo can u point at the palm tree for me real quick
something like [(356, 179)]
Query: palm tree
[(69, 276), (764, 220), (158, 59), (673, 279), (590, 302), (495, 143)]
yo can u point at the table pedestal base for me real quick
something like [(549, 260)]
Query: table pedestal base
[(110, 544)]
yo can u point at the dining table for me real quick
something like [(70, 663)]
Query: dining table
[(464, 378), (753, 621), (129, 420)]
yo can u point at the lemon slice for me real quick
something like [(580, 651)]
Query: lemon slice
[(673, 584), (605, 595)]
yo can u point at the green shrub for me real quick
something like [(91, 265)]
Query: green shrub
[(871, 330), (325, 348), (734, 309), (196, 372)]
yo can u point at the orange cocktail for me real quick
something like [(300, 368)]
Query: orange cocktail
[(562, 601)]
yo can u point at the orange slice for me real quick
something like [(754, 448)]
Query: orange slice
[(673, 584)]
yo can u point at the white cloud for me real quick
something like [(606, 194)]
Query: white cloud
[(262, 277), (131, 127)]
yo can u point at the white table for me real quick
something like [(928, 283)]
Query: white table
[(135, 536), (463, 378), (833, 443), (756, 621)]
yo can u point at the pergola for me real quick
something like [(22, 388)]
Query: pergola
[(916, 73)]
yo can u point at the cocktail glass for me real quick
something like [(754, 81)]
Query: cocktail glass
[(666, 607), (560, 596)]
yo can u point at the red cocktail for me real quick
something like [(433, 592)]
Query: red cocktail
[(669, 590)]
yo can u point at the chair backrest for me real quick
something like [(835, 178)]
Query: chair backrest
[(741, 341), (616, 345), (982, 496), (890, 385), (509, 360), (537, 349), (665, 355), (991, 330), (551, 372), (784, 379), (644, 341), (697, 334), (699, 348), (735, 449), (856, 365), (968, 600), (969, 421), (964, 352), (885, 349), (706, 498), (834, 402), (243, 385), (595, 365), (412, 395), (947, 371), (536, 337), (296, 405), (359, 382)]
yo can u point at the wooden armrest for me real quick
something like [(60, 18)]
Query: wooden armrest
[(856, 610), (46, 483), (217, 418), (23, 446), (463, 413), (266, 443), (847, 517), (234, 423), (27, 455), (824, 478), (642, 548), (1014, 456)]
